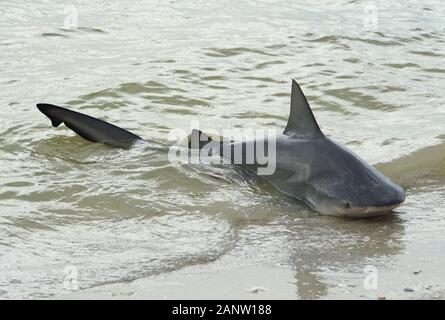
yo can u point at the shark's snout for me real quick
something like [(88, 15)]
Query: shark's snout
[(376, 203)]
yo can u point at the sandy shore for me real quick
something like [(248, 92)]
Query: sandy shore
[(246, 282), (193, 283)]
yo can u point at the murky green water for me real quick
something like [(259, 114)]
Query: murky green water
[(375, 83)]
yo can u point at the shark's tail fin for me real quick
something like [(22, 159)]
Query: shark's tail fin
[(90, 128)]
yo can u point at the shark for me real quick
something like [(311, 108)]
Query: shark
[(308, 165)]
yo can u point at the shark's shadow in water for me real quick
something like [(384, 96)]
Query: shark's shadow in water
[(321, 248)]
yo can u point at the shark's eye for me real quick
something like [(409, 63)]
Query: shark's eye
[(347, 205)]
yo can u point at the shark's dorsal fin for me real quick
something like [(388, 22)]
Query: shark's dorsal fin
[(301, 120)]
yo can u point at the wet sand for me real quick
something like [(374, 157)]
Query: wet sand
[(250, 283)]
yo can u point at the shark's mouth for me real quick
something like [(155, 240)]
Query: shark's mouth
[(363, 212)]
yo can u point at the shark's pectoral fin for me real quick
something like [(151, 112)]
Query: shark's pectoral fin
[(56, 122), (301, 120), (89, 128)]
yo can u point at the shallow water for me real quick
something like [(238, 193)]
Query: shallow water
[(153, 66)]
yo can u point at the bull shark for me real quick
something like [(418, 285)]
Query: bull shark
[(308, 166)]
